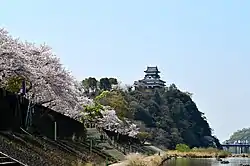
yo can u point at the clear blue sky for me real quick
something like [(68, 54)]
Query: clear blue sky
[(201, 46)]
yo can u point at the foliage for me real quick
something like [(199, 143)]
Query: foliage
[(90, 84), (52, 85), (106, 117), (143, 136), (115, 100), (93, 87), (93, 112), (101, 96), (14, 84), (111, 122), (182, 148), (113, 81), (242, 135), (105, 84), (223, 154), (169, 115)]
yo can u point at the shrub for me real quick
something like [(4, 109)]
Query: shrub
[(223, 154), (182, 148), (143, 136)]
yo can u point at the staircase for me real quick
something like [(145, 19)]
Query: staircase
[(106, 145), (115, 149), (8, 161)]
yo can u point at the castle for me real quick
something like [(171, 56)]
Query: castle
[(151, 79)]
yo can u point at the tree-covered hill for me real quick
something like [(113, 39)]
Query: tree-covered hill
[(243, 134), (166, 117)]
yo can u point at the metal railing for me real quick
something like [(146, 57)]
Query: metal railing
[(13, 160)]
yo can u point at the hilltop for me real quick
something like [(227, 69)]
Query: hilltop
[(166, 116)]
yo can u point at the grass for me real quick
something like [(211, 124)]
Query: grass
[(155, 160), (199, 153), (141, 160)]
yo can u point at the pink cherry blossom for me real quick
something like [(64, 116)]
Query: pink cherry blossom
[(52, 85)]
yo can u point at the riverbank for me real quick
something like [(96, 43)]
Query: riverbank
[(205, 154), (244, 155), (154, 160), (197, 162), (199, 153), (141, 160)]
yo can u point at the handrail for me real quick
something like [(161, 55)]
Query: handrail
[(19, 162)]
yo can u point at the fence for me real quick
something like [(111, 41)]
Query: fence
[(13, 111)]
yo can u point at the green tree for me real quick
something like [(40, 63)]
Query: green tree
[(182, 148), (113, 81), (105, 84), (90, 84), (116, 100), (169, 115), (93, 111), (243, 134), (93, 83), (143, 136), (85, 84)]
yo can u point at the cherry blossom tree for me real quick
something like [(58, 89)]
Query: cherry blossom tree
[(49, 83), (111, 122), (52, 85)]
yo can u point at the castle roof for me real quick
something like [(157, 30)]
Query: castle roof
[(152, 70)]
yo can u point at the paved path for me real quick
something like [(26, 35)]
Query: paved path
[(157, 149)]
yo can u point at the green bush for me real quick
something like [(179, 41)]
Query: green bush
[(223, 154), (143, 136), (182, 148)]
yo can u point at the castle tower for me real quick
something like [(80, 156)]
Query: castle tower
[(151, 79)]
